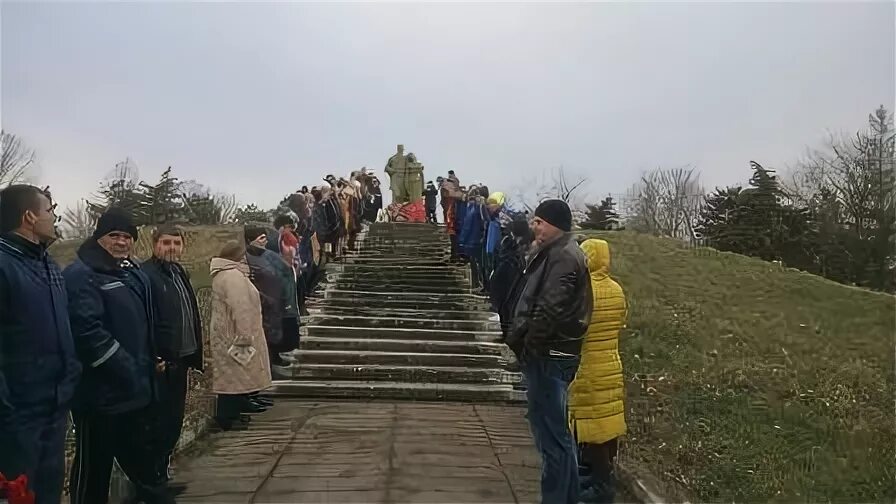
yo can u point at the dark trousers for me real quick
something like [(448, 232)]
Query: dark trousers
[(229, 407), (32, 442), (454, 247), (548, 380), (598, 463), (290, 334), (288, 343), (170, 412), (431, 215), (476, 267), (301, 290), (125, 437)]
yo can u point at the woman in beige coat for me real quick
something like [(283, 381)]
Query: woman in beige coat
[(240, 363)]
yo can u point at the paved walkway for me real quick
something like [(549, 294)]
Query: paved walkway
[(329, 452)]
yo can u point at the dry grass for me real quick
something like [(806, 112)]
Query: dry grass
[(749, 382)]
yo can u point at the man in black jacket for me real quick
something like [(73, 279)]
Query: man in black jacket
[(111, 315), (430, 198), (552, 313), (178, 337), (38, 365)]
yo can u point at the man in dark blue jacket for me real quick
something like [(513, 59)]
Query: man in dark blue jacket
[(111, 313), (38, 366)]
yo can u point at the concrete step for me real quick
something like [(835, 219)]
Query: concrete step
[(373, 311), (406, 268), (404, 322), (353, 357), (395, 277), (393, 261), (464, 309), (373, 298), (405, 254), (397, 286), (417, 228), (335, 389), (412, 374), (402, 345), (393, 333)]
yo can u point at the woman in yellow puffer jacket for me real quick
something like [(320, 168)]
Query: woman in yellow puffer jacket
[(596, 410)]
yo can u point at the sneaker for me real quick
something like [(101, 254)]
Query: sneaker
[(281, 372)]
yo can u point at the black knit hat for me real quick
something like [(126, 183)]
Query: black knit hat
[(556, 213), (253, 232), (115, 219)]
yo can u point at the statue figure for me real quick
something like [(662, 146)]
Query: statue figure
[(405, 177)]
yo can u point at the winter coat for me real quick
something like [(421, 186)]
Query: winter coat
[(430, 194), (554, 303), (493, 231), (236, 321), (170, 311), (111, 313), (460, 216), (287, 276), (509, 266), (596, 410), (471, 234), (266, 279), (38, 364)]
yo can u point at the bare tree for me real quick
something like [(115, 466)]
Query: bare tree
[(205, 207), (860, 170), (555, 184), (14, 160), (120, 187), (666, 202), (227, 206), (78, 222)]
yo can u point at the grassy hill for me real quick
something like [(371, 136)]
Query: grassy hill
[(752, 382)]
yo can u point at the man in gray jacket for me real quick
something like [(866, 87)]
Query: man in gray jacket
[(552, 313)]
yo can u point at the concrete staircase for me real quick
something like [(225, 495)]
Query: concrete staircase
[(396, 320)]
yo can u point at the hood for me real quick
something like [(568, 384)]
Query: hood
[(597, 254), (496, 198), (220, 264)]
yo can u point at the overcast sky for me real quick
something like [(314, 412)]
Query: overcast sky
[(258, 100)]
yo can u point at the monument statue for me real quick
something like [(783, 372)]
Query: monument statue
[(405, 177)]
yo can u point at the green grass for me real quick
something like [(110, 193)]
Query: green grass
[(751, 382)]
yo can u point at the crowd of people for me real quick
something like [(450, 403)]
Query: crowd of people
[(561, 314), (111, 339)]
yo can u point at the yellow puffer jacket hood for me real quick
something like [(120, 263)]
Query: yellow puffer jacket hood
[(597, 253), (596, 409)]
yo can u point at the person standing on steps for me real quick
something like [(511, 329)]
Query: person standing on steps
[(38, 365), (241, 366), (596, 408), (552, 313), (289, 245), (178, 335), (112, 318), (267, 272), (449, 192), (430, 198)]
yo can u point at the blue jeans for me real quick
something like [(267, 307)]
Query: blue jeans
[(547, 380)]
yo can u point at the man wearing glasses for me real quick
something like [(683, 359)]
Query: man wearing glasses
[(111, 314), (38, 366)]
